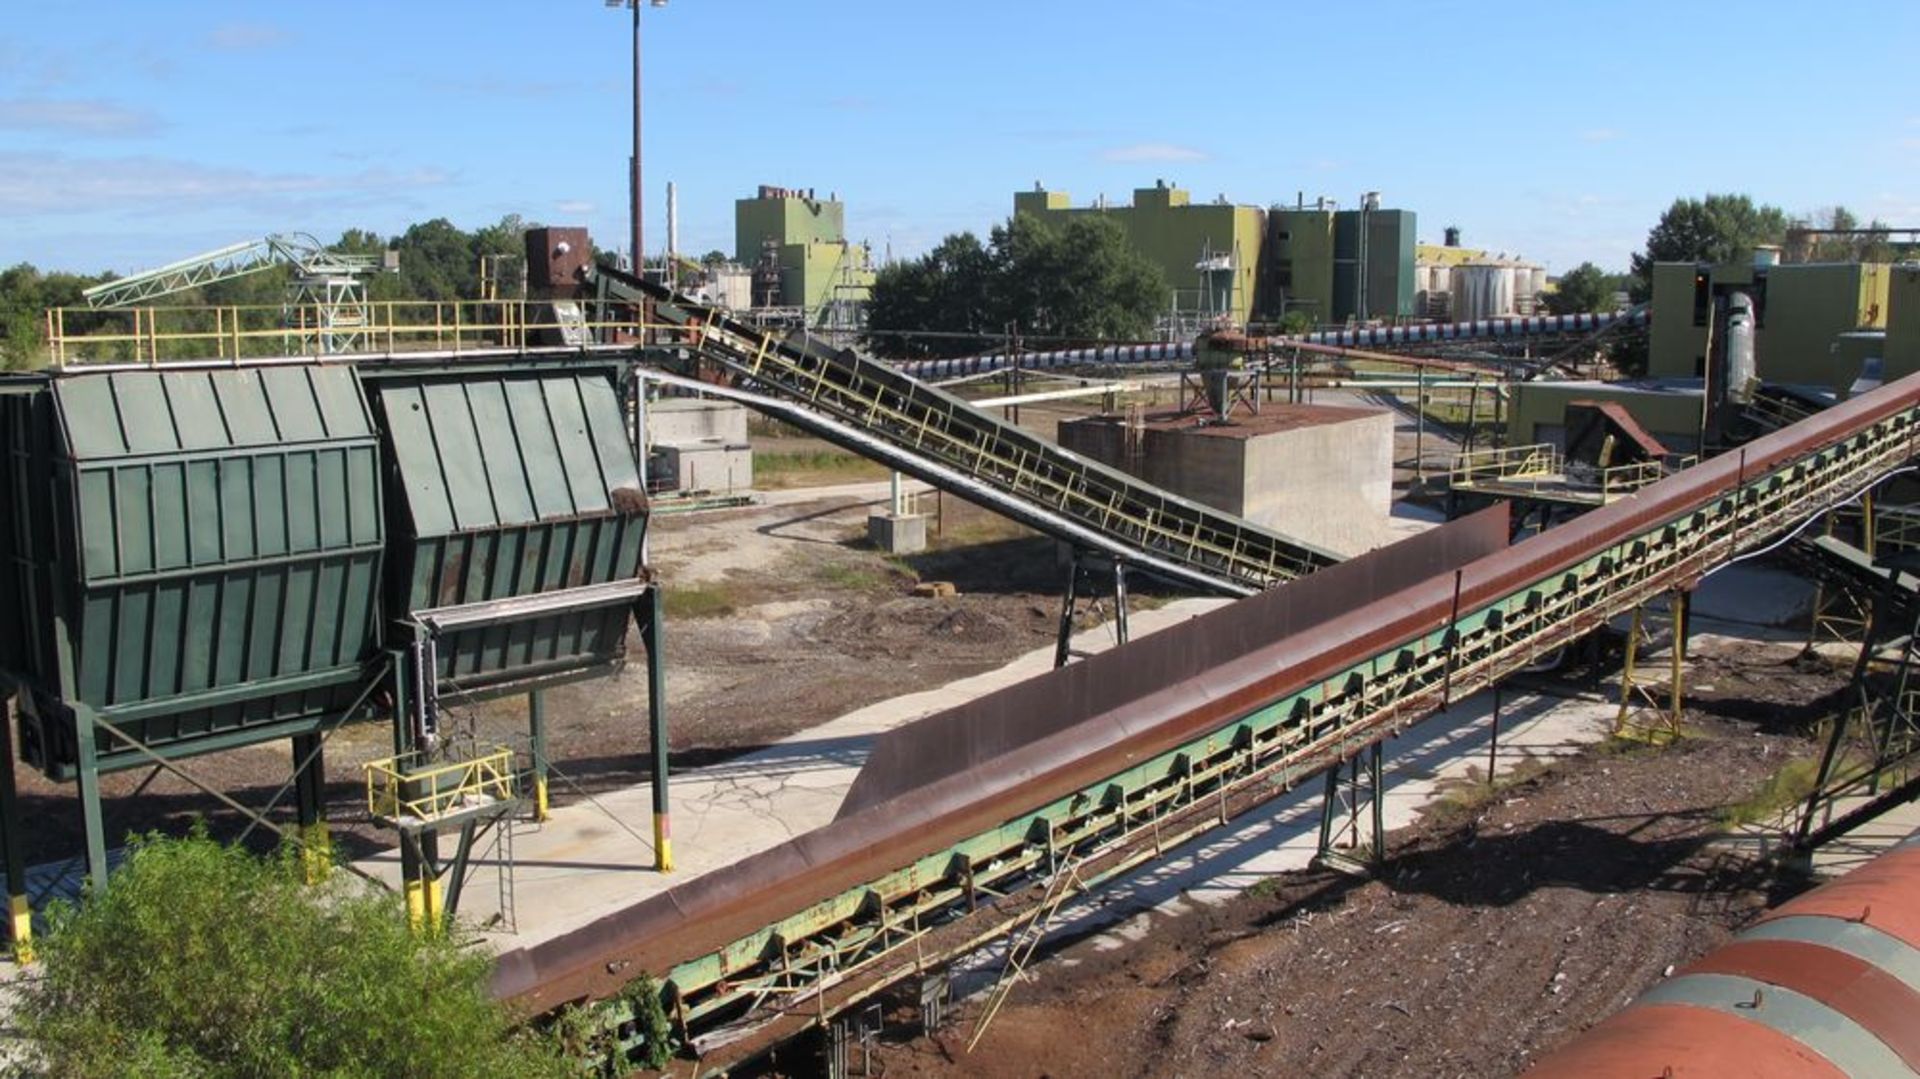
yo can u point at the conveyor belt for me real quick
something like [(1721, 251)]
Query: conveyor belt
[(1143, 753), (936, 436)]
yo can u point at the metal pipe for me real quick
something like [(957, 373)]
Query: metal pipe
[(1183, 351), (637, 209)]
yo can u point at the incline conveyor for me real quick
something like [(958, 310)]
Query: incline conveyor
[(940, 438), (964, 828)]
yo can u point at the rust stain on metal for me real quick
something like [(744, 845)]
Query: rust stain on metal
[(1164, 709), (1683, 1041), (1881, 1003)]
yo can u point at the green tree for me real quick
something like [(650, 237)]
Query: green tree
[(1717, 228), (1080, 279), (203, 960), (436, 262), (1846, 248), (947, 291), (25, 295), (1584, 288)]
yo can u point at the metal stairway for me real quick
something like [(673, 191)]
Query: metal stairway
[(945, 441)]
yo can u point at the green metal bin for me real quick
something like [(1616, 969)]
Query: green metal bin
[(195, 557), (517, 520)]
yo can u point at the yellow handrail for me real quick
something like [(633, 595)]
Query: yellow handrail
[(156, 335), (397, 790)]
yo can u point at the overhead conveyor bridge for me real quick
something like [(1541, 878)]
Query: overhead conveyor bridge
[(940, 438), (963, 826)]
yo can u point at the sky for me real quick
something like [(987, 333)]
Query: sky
[(137, 133)]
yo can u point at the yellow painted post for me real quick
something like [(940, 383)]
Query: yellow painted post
[(1626, 676), (316, 851), (1677, 615), (662, 843), (21, 926)]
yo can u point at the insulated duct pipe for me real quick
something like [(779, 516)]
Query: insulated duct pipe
[(1488, 329)]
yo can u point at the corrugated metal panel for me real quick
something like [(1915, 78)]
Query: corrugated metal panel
[(507, 485), (227, 565)]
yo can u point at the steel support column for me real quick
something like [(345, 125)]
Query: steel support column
[(537, 740), (19, 911), (1651, 709), (310, 803), (87, 780), (652, 637), (1363, 791)]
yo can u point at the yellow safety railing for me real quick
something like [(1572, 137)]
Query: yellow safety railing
[(1506, 464), (400, 788), (155, 335)]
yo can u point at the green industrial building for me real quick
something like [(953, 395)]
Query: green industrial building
[(1251, 265), (798, 249), (1801, 311)]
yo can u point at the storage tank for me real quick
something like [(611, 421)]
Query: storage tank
[(1481, 290), (197, 556)]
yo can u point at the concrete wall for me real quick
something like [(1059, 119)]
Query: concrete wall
[(1326, 479), (711, 467), (687, 419)]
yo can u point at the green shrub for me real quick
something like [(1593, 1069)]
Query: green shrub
[(204, 960)]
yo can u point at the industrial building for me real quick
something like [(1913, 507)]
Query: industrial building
[(796, 246), (1462, 284), (1245, 264)]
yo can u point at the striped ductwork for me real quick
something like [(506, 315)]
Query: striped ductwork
[(1826, 985), (1490, 329)]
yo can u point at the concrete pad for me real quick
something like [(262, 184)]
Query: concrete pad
[(596, 855)]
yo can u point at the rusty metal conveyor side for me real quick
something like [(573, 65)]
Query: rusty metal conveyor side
[(807, 929)]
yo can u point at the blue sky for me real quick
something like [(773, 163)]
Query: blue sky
[(134, 133)]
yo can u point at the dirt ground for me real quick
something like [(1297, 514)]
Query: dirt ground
[(1503, 923), (779, 618)]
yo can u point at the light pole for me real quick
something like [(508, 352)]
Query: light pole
[(637, 235)]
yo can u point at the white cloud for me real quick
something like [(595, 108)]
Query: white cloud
[(1601, 134), (1153, 151), (575, 206), (56, 183), (247, 36), (72, 117)]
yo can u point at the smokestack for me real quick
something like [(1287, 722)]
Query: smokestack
[(673, 222)]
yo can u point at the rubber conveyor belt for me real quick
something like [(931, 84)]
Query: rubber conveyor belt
[(863, 404)]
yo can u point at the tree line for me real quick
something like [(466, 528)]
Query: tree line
[(439, 261)]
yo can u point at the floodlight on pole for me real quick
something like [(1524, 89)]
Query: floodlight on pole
[(637, 236)]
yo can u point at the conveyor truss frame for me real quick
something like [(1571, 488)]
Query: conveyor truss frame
[(765, 987)]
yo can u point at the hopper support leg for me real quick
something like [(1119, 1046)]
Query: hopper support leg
[(652, 616), (19, 911), (310, 801), (88, 782), (537, 742)]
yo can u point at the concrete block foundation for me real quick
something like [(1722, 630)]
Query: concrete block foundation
[(1317, 473), (904, 533)]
